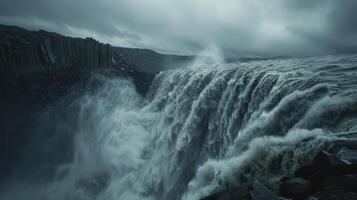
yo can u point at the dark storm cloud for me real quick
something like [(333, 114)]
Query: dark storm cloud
[(245, 27)]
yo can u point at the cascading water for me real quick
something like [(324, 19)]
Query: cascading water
[(204, 129)]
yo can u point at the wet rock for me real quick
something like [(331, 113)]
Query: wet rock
[(345, 182), (335, 193), (348, 155), (305, 171), (241, 193), (257, 191), (325, 164), (231, 195), (333, 176), (296, 188), (260, 192)]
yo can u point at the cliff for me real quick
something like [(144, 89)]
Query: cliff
[(40, 60), (39, 67)]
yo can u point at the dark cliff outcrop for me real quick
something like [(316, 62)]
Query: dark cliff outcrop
[(40, 60), (38, 68)]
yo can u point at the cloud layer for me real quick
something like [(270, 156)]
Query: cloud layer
[(239, 27)]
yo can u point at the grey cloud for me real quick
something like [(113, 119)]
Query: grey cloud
[(244, 27)]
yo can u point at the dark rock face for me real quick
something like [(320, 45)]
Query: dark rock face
[(331, 176), (260, 192), (35, 60), (253, 191), (325, 164), (296, 188), (335, 193), (237, 193), (347, 182), (31, 60)]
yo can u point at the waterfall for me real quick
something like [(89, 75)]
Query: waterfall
[(205, 128)]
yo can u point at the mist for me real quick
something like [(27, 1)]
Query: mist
[(244, 28)]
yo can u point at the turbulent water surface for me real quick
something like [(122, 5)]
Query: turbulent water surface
[(199, 130)]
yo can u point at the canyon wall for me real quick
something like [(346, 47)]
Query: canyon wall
[(40, 60)]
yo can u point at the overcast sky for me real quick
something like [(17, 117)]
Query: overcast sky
[(241, 27)]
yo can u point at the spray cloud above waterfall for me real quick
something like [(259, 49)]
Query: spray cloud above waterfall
[(211, 56)]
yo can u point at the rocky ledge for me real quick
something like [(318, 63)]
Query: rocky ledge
[(331, 176)]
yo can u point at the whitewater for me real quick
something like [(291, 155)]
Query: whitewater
[(206, 128)]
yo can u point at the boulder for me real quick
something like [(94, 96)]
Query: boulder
[(305, 171), (335, 193), (345, 182), (240, 193), (333, 176), (348, 155), (260, 192), (296, 188), (325, 164)]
